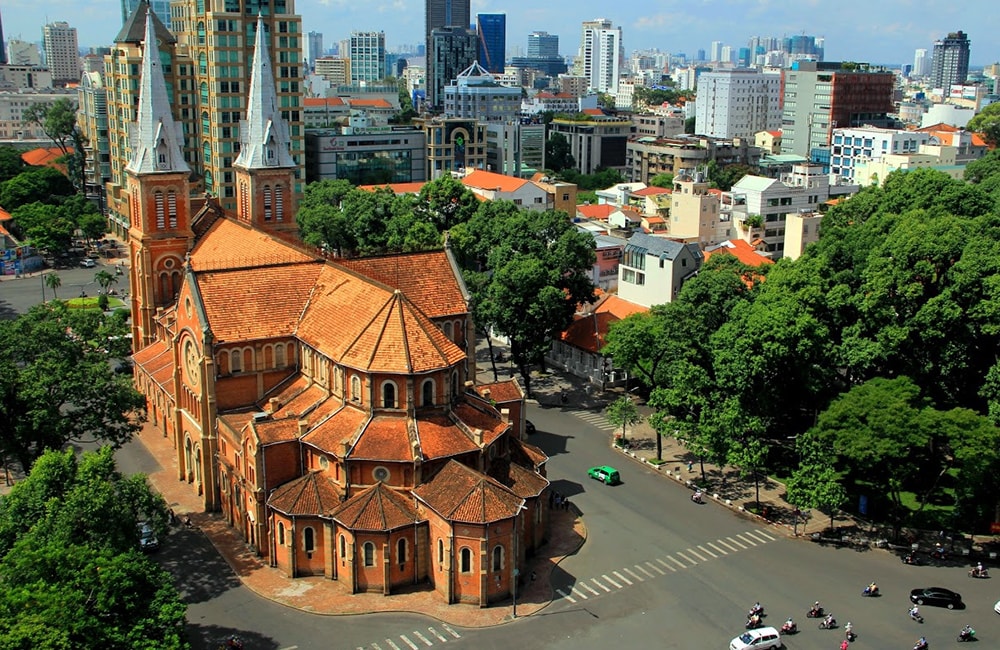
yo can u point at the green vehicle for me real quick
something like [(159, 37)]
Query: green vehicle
[(605, 474)]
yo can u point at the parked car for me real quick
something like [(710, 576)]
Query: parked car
[(759, 639), (88, 263), (936, 596), (147, 537), (605, 474), (529, 427)]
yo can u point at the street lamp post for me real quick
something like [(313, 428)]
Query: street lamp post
[(513, 592)]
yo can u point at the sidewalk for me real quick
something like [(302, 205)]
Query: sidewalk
[(321, 596)]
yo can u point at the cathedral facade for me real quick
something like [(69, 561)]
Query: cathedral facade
[(326, 408)]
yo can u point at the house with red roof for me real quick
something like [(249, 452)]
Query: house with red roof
[(493, 186)]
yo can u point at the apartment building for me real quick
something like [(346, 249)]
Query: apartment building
[(645, 157), (654, 268), (737, 103), (367, 55), (596, 141), (62, 53), (849, 147)]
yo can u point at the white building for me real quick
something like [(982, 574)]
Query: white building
[(22, 53), (600, 57), (62, 55), (653, 269), (850, 146), (493, 187), (12, 107), (475, 95), (957, 116), (367, 54), (737, 103), (558, 103), (24, 77), (921, 63)]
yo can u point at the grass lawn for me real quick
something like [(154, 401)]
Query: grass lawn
[(90, 302)]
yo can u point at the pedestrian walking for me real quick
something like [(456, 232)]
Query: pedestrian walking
[(690, 466)]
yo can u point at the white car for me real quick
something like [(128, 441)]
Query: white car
[(88, 263), (762, 637), (996, 608)]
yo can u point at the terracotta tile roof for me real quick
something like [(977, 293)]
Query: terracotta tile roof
[(385, 333), (324, 410), (150, 352), (588, 332), (474, 418), (650, 191), (602, 211), (492, 181), (286, 391), (269, 432), (977, 140), (427, 279), (654, 219), (322, 101), (44, 157), (775, 134), (237, 420), (377, 509), (342, 427), (521, 451), (620, 307), (300, 404), (593, 111), (309, 495), (397, 188), (4, 215), (229, 244), (369, 103), (440, 437), (385, 438), (522, 481), (157, 361), (502, 391), (460, 494), (243, 304), (743, 251), (940, 126)]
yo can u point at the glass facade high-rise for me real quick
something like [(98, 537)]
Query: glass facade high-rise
[(951, 61), (492, 29), (453, 49), (160, 7), (440, 14), (367, 54), (542, 45)]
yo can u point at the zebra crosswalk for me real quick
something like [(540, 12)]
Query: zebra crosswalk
[(417, 639), (680, 560), (598, 420)]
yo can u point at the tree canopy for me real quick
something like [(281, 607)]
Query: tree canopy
[(987, 122)]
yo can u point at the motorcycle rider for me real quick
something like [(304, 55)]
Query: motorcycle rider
[(849, 631), (756, 609), (696, 497), (790, 626), (921, 644), (829, 621), (915, 613), (871, 589), (816, 609), (966, 632), (753, 621)]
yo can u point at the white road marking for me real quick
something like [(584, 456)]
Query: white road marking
[(391, 644), (705, 550), (565, 595), (447, 628), (738, 543), (437, 634), (719, 549), (697, 554), (655, 568), (577, 592), (422, 638), (686, 558), (617, 586), (728, 545), (592, 591), (606, 589), (622, 578), (677, 562), (749, 540), (376, 646), (644, 571), (413, 646), (760, 533), (666, 565), (634, 574)]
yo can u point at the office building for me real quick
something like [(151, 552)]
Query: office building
[(951, 61), (822, 96), (921, 64), (453, 49), (335, 69), (160, 7), (92, 118), (542, 45), (62, 55), (600, 56), (22, 77), (367, 155), (314, 48), (441, 14), (453, 144), (851, 146), (595, 141), (3, 50), (492, 29), (367, 54), (716, 51), (23, 53), (515, 148), (737, 103), (474, 94)]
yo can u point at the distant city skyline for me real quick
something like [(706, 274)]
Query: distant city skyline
[(887, 32)]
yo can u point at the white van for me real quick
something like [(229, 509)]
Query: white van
[(762, 637)]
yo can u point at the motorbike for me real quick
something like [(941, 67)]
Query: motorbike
[(815, 612), (850, 635), (756, 610), (916, 617), (939, 553), (911, 558), (753, 622), (969, 635), (789, 628), (921, 645), (697, 497), (828, 623), (976, 572), (871, 592)]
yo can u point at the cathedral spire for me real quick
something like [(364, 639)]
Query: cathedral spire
[(264, 139), (155, 137)]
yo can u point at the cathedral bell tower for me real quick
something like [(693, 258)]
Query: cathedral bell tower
[(265, 170), (157, 178)]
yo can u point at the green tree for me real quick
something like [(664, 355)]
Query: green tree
[(57, 120), (53, 281), (815, 483), (623, 413), (445, 202), (987, 122), (689, 125), (979, 170), (606, 100), (105, 279), (558, 156), (644, 97), (662, 180), (640, 343), (56, 385), (322, 222), (45, 226), (43, 184), (11, 163)]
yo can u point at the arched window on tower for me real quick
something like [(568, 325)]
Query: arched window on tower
[(279, 203), (172, 208), (388, 395), (161, 215), (427, 393), (267, 202)]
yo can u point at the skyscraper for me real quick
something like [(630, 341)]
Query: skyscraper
[(437, 14), (716, 51), (160, 7), (542, 45), (62, 54), (920, 63), (453, 49), (951, 61), (314, 48), (737, 103), (3, 49), (492, 29), (367, 54), (600, 55)]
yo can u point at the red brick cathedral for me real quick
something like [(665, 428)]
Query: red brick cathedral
[(326, 408)]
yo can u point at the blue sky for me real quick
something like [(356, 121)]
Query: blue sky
[(878, 31)]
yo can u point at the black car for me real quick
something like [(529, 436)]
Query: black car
[(937, 596)]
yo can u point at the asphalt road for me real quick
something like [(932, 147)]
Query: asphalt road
[(17, 295), (656, 571)]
